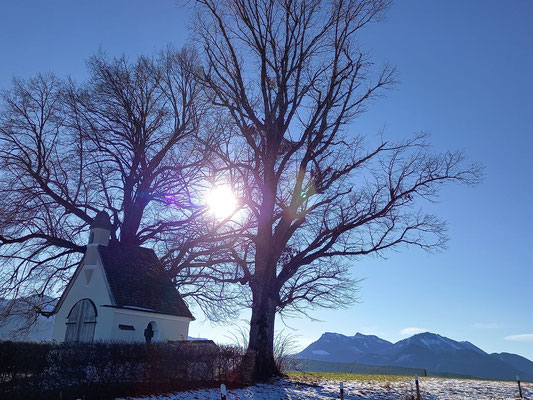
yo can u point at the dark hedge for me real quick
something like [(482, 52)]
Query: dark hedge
[(106, 370)]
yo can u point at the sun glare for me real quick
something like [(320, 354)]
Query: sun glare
[(221, 201)]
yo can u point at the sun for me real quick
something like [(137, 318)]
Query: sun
[(221, 201)]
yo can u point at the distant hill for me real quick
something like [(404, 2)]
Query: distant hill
[(13, 320), (519, 362), (425, 350)]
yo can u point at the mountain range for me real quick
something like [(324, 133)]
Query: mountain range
[(425, 350)]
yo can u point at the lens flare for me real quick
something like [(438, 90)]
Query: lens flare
[(221, 202)]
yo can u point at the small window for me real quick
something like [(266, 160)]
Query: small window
[(91, 237), (81, 322), (126, 327)]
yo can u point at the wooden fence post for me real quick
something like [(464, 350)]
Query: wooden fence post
[(223, 392), (342, 390), (519, 387), (417, 388)]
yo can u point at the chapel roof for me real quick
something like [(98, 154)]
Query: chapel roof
[(138, 280)]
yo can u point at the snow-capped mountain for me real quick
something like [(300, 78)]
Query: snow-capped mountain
[(436, 343), (360, 348), (425, 350)]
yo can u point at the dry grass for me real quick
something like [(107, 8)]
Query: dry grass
[(313, 377)]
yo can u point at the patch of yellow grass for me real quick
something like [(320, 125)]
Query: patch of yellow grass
[(312, 377)]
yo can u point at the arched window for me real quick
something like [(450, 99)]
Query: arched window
[(81, 322)]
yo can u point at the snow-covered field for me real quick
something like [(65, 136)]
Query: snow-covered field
[(431, 388)]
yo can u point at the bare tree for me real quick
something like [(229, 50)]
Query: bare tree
[(314, 197), (126, 141)]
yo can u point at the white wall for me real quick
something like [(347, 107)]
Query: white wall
[(170, 327), (101, 236), (96, 290), (108, 318)]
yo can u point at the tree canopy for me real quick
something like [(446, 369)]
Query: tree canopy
[(265, 103), (130, 140), (292, 78)]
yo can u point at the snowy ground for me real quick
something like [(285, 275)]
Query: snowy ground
[(431, 388)]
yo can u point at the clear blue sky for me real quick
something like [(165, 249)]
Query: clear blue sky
[(466, 71)]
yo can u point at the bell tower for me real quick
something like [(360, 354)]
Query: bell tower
[(100, 229)]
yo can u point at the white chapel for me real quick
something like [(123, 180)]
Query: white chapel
[(119, 294)]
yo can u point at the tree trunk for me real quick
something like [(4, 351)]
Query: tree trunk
[(260, 351), (133, 213)]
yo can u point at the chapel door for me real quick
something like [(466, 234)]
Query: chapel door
[(81, 322)]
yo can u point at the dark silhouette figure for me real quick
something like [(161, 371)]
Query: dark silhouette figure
[(149, 334)]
